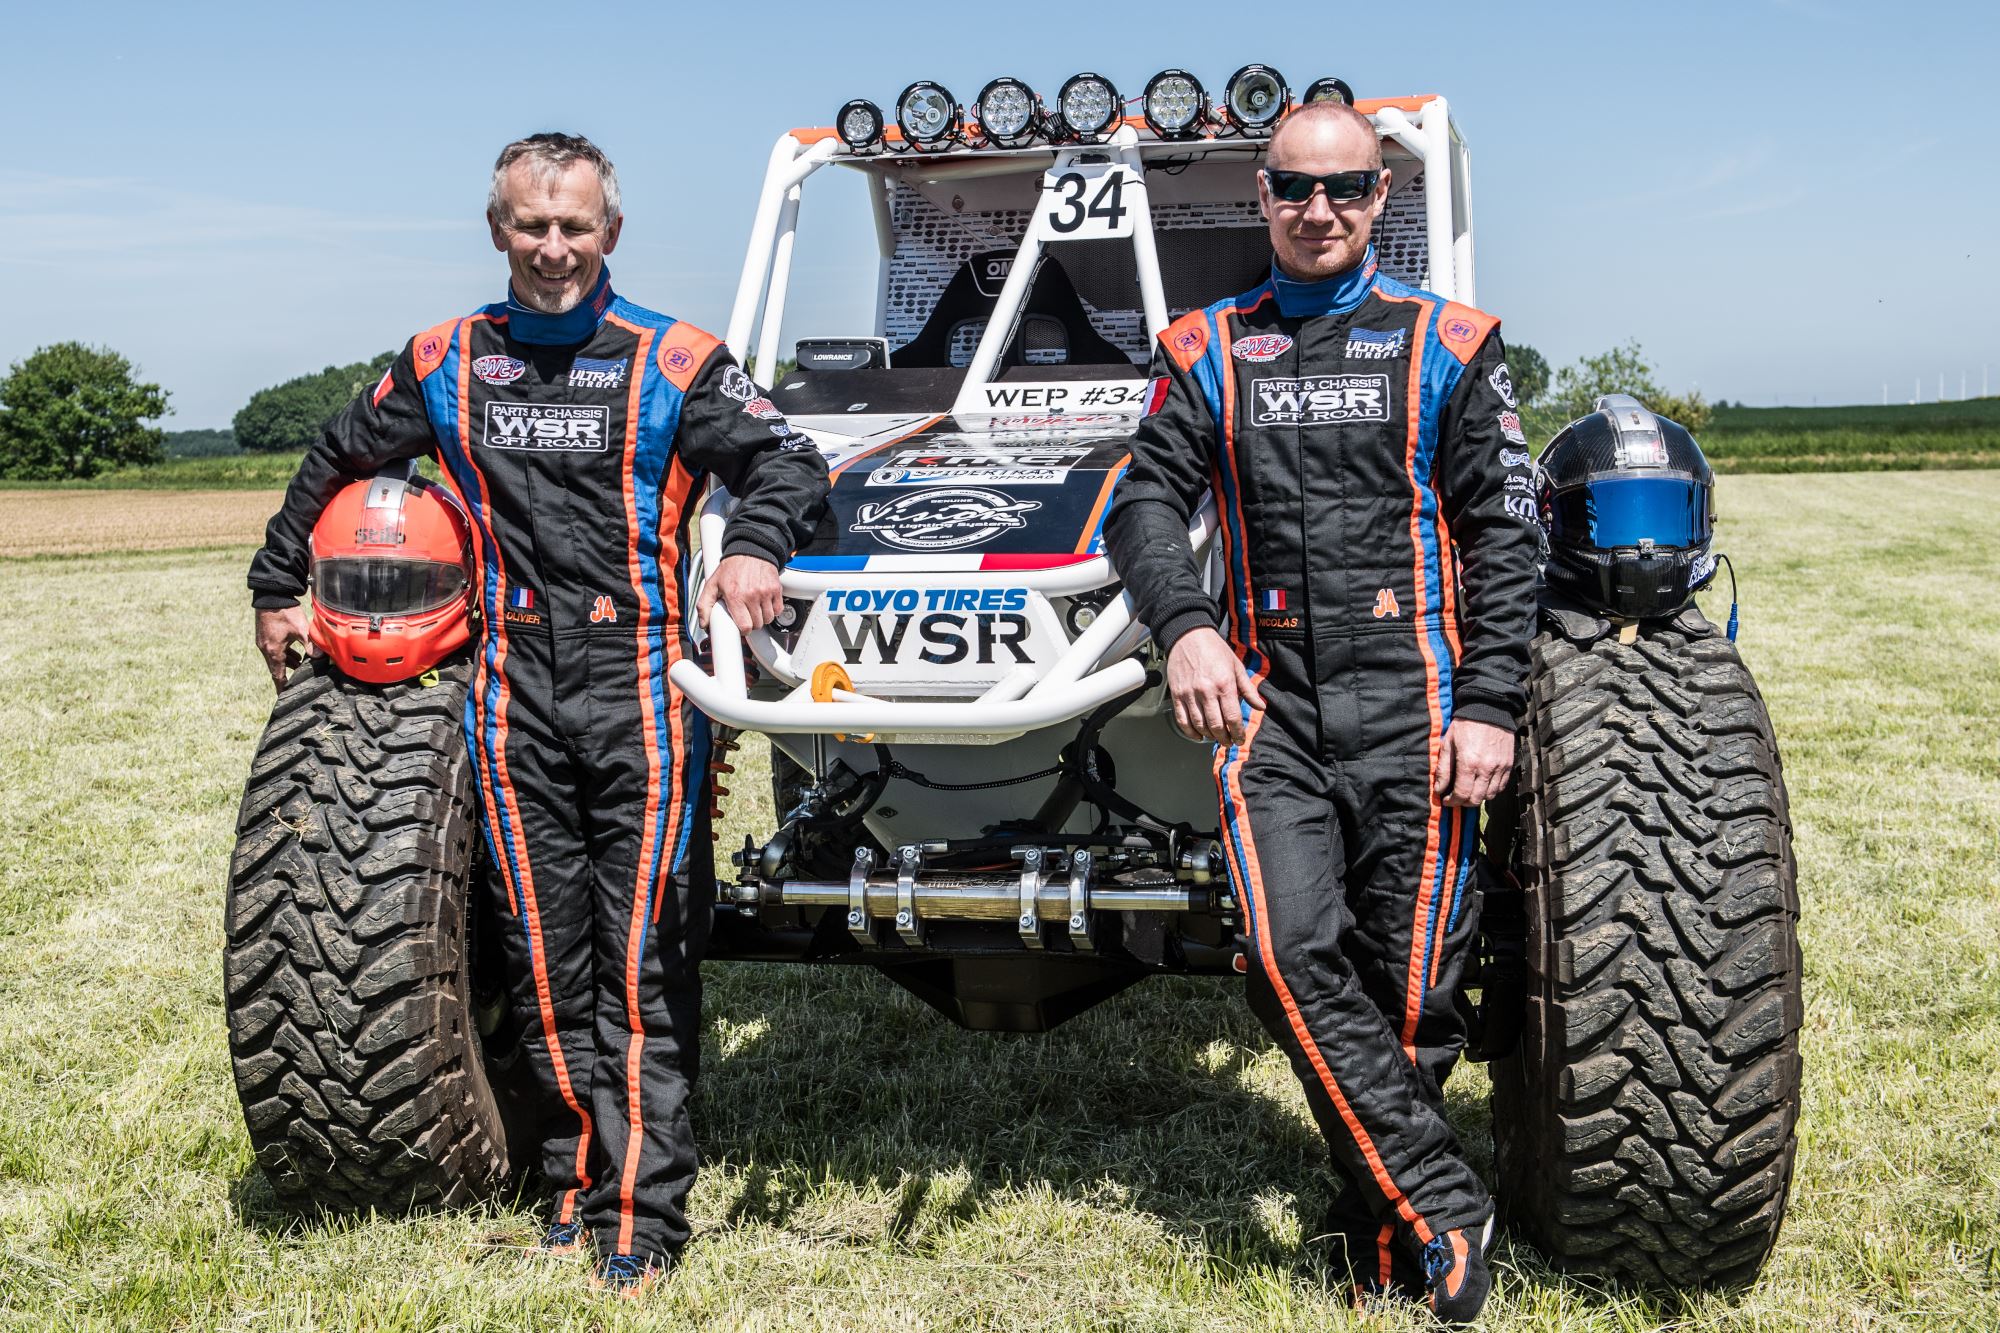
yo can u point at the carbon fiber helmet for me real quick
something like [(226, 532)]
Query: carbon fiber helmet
[(1628, 504)]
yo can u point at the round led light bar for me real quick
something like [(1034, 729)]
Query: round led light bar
[(1087, 108), (1009, 113), (1329, 90), (1255, 98), (927, 114), (859, 125), (1175, 104)]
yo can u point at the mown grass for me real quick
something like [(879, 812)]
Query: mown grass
[(870, 1167)]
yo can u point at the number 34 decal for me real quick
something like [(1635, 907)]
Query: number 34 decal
[(1087, 202)]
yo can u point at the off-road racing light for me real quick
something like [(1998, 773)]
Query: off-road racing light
[(1329, 90), (1254, 98), (1175, 104), (1009, 113), (859, 125), (927, 113), (1087, 107)]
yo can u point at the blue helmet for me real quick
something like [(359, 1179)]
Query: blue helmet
[(1628, 505)]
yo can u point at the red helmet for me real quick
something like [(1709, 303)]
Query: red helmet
[(391, 577)]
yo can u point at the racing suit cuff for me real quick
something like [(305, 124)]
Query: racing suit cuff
[(1479, 710), (272, 601), (1169, 631), (744, 543)]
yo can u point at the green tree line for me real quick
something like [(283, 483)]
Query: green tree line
[(73, 411)]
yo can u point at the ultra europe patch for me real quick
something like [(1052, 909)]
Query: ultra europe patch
[(547, 426), (1319, 400), (588, 372)]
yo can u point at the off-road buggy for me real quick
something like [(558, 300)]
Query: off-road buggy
[(982, 794)]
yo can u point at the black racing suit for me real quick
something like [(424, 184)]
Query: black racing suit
[(577, 444), (1376, 513)]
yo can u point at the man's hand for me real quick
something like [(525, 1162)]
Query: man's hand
[(1474, 762), (1208, 685), (277, 630), (748, 587)]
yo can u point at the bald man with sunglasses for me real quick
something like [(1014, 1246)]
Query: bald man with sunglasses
[(1361, 682)]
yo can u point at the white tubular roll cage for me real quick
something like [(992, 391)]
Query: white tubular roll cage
[(1073, 684)]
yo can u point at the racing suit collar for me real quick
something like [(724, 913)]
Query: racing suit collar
[(1330, 296), (576, 326)]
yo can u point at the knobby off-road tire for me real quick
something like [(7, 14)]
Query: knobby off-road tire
[(1644, 1130), (351, 1027)]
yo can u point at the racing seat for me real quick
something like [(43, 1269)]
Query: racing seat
[(1054, 328)]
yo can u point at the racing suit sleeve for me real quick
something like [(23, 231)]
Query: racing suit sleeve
[(776, 474), (1146, 533), (1486, 490), (385, 423)]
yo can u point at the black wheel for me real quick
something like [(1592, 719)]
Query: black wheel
[(351, 1023), (1644, 1127)]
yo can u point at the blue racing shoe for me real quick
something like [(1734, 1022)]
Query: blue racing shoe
[(1456, 1273), (629, 1274)]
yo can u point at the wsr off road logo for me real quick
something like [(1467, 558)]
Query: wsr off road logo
[(942, 518), (544, 426), (1319, 400)]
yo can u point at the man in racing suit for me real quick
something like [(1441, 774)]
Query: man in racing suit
[(577, 429), (1374, 499)]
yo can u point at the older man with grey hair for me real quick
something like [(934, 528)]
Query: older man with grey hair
[(577, 430)]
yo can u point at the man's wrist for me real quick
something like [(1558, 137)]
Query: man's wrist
[(1171, 630)]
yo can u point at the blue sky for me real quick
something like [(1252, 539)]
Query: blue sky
[(1783, 200)]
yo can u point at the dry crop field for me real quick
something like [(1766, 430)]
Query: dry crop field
[(869, 1167), (51, 522)]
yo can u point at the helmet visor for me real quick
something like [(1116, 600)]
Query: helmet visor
[(385, 586), (1624, 511)]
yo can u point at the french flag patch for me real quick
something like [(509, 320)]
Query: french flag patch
[(521, 599), (1156, 395), (1271, 600)]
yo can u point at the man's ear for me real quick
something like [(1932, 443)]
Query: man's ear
[(493, 225), (1382, 193), (1263, 197), (611, 233)]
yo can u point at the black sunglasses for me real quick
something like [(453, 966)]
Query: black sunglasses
[(1342, 187)]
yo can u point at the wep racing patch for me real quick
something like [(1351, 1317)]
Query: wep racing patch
[(499, 369), (1261, 347), (595, 373), (546, 427), (1319, 400)]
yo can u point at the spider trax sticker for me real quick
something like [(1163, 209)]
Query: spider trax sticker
[(1029, 466)]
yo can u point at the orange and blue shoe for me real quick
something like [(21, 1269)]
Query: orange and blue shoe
[(629, 1274), (1456, 1273)]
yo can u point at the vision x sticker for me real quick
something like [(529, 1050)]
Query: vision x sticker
[(1319, 400), (546, 427), (942, 519)]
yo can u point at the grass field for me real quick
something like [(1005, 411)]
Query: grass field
[(1144, 1168)]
